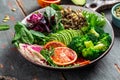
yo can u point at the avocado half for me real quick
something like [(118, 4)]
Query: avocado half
[(79, 2)]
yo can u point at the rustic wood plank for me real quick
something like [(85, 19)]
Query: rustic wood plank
[(29, 6), (11, 62)]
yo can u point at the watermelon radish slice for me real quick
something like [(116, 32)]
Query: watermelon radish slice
[(28, 54), (31, 52), (35, 49)]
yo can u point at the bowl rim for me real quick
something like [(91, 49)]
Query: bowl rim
[(75, 67), (113, 9)]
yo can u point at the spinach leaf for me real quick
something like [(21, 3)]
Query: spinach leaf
[(39, 38), (54, 19), (37, 34), (22, 35)]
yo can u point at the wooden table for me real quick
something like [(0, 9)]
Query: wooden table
[(14, 65)]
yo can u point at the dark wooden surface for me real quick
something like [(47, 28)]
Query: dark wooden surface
[(14, 65)]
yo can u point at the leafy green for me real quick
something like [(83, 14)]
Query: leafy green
[(53, 18), (90, 53), (39, 38), (49, 12), (22, 34), (95, 51), (37, 34), (56, 7), (94, 20), (47, 55), (77, 44), (4, 27)]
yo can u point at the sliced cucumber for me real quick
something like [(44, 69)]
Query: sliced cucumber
[(79, 2)]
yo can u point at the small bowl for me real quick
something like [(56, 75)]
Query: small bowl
[(115, 19)]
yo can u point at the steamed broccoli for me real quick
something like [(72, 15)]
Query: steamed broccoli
[(91, 52), (94, 40), (77, 44), (93, 31), (87, 48), (104, 41)]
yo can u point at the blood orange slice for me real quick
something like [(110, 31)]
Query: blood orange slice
[(54, 44), (64, 56)]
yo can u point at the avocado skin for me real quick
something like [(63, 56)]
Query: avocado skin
[(79, 2)]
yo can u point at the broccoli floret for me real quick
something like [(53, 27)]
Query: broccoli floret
[(93, 51), (94, 32), (93, 38), (105, 37), (99, 30), (90, 53), (85, 29), (101, 47), (88, 44), (105, 40), (77, 44)]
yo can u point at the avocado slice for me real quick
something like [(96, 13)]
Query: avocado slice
[(63, 35), (79, 2)]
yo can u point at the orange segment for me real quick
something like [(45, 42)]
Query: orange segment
[(82, 61), (44, 3), (64, 56), (54, 44)]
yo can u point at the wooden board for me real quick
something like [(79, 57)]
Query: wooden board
[(14, 65)]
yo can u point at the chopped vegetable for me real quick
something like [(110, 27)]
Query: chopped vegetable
[(47, 55), (49, 22), (65, 36), (53, 19), (32, 52), (39, 38), (81, 61), (4, 27), (22, 35), (93, 20), (38, 23), (92, 52), (77, 44), (56, 7)]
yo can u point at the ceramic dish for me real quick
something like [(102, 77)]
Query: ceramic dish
[(107, 28)]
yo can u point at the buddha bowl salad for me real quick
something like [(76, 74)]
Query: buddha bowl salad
[(62, 37)]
